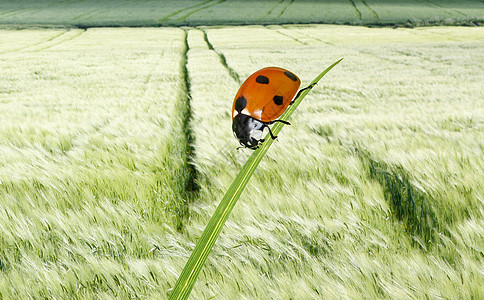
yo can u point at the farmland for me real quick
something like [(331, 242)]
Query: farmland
[(89, 13), (116, 148)]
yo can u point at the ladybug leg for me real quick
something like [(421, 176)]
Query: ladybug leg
[(300, 91), (272, 135), (259, 143), (270, 131)]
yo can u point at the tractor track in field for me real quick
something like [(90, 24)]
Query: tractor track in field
[(286, 35), (62, 41), (285, 8), (222, 58), (372, 11), (310, 37), (36, 44), (452, 12), (188, 187), (408, 203), (89, 13), (5, 13), (179, 207), (416, 32), (370, 53), (11, 13), (282, 4), (270, 10), (331, 44), (57, 40), (416, 54), (189, 11), (356, 10), (182, 18), (150, 74), (169, 16), (46, 41)]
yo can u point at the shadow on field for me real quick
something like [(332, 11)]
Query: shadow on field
[(408, 203)]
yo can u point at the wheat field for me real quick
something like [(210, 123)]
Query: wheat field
[(93, 13), (116, 147)]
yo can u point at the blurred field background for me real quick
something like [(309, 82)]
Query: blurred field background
[(116, 147), (89, 13)]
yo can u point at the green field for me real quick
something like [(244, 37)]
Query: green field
[(116, 147), (89, 13)]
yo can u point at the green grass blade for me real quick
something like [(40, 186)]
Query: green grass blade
[(195, 263)]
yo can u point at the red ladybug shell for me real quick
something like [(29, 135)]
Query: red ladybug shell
[(266, 94)]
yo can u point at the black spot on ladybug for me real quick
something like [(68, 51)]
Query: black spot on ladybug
[(240, 103), (262, 79), (277, 100), (290, 75)]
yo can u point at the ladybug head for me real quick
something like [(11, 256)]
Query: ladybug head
[(248, 130)]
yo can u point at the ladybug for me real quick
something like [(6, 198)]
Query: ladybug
[(261, 99)]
